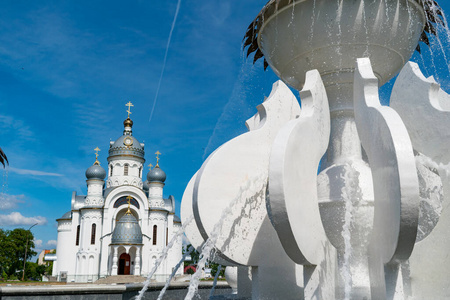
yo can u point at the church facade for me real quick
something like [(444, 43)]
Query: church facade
[(123, 224)]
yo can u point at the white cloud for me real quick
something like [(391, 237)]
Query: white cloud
[(10, 201), (19, 127), (33, 172), (16, 219), (51, 243), (38, 243)]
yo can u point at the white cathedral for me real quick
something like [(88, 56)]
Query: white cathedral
[(120, 228)]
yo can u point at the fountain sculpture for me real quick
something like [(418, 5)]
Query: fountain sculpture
[(343, 197)]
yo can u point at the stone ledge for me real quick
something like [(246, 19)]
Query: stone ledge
[(80, 289)]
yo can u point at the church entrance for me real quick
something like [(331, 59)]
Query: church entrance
[(124, 264)]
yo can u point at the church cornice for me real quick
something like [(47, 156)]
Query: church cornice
[(90, 208), (160, 210), (127, 156)]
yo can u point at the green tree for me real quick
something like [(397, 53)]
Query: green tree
[(214, 267), (49, 265), (6, 253), (12, 249), (34, 271), (195, 256)]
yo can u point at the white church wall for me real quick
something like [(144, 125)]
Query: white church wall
[(105, 258), (87, 268), (155, 191), (119, 178), (65, 261)]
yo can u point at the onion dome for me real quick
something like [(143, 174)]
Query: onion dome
[(145, 186), (156, 175), (127, 144), (127, 231), (95, 172)]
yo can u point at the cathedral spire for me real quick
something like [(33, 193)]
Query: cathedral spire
[(96, 156), (128, 123), (129, 104), (129, 198), (157, 158)]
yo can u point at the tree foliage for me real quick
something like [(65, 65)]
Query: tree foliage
[(34, 271), (12, 250), (195, 257)]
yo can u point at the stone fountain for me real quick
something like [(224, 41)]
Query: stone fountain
[(342, 198)]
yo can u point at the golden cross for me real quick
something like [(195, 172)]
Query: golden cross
[(129, 104), (129, 198), (150, 166), (157, 157), (96, 154)]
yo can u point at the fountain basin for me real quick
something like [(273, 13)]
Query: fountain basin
[(328, 35)]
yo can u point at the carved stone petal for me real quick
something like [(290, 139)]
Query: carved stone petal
[(296, 153)]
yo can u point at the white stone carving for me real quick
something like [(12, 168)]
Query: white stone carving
[(186, 213), (64, 225), (295, 158), (421, 104), (232, 184), (293, 205), (424, 108), (396, 187), (94, 214)]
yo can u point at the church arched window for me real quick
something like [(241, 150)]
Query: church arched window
[(93, 234), (125, 170), (77, 240), (155, 235), (111, 170), (140, 171)]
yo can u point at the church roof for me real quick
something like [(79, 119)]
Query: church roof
[(66, 216), (156, 175), (127, 231), (95, 172), (127, 144), (145, 186)]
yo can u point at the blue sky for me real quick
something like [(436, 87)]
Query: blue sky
[(67, 69)]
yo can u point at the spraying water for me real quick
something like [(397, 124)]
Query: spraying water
[(4, 190), (346, 234), (215, 281), (165, 59), (164, 254), (366, 28), (434, 11), (237, 102), (387, 10), (352, 194), (426, 161), (208, 247), (340, 4), (163, 291), (206, 251)]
